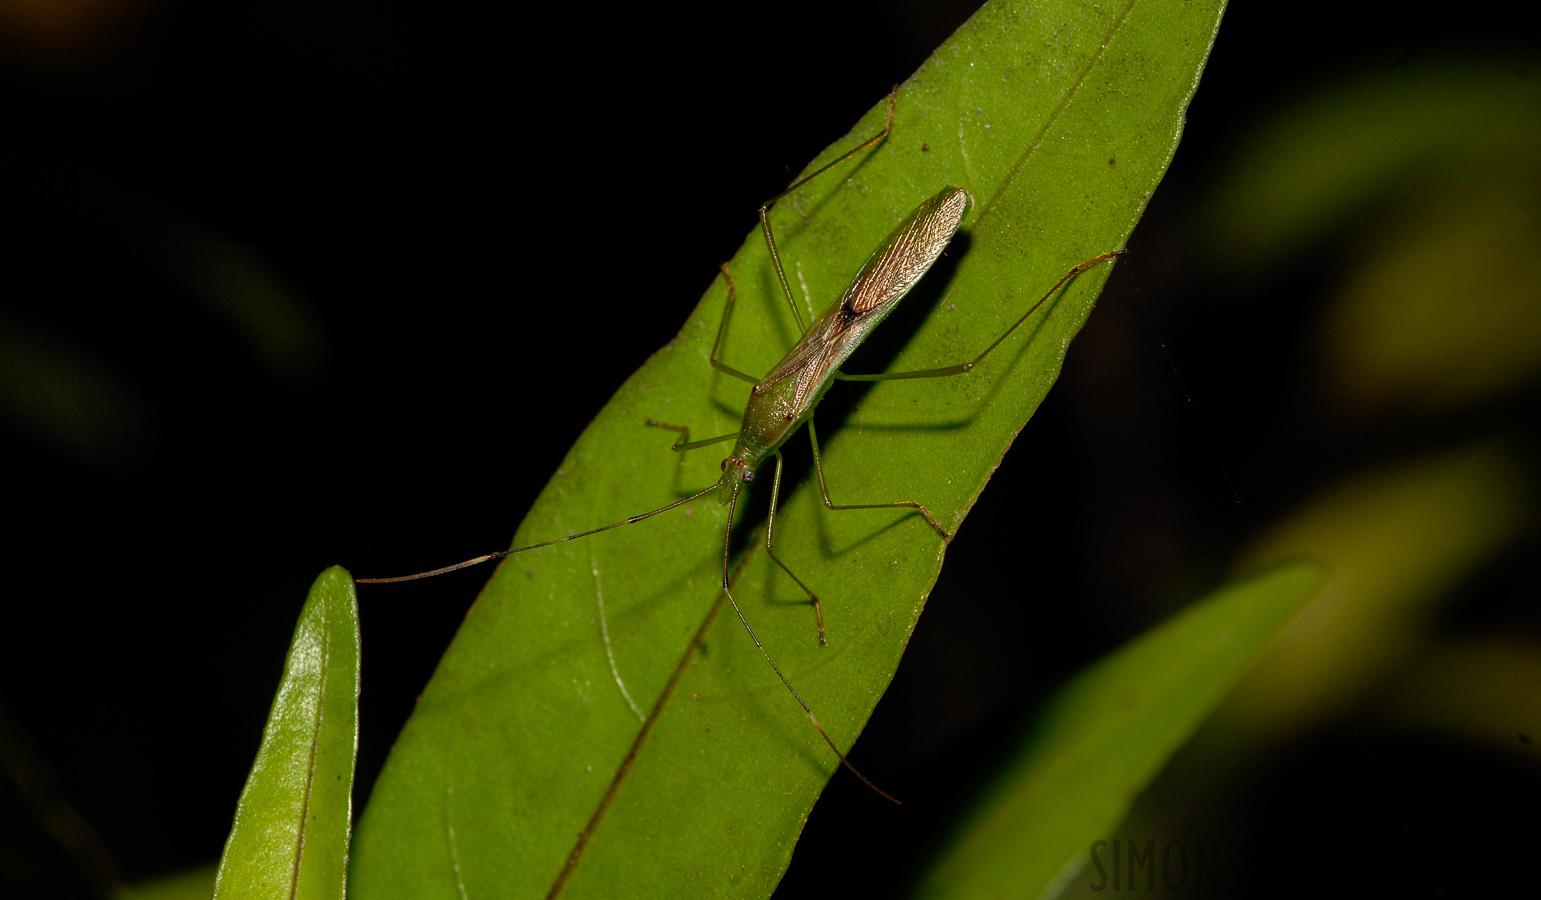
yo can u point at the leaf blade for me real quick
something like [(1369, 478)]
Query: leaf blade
[(541, 684), (294, 819), (1106, 734)]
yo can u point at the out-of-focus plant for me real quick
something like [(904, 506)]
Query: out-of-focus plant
[(1426, 181), (1420, 188)]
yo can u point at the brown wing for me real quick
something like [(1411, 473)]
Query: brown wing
[(906, 254), (891, 270)]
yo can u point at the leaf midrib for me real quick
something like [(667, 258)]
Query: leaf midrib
[(310, 770)]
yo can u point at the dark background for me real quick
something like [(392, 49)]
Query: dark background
[(293, 284)]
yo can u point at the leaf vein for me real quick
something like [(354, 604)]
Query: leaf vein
[(310, 771)]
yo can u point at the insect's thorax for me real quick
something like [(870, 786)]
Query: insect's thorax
[(770, 417)]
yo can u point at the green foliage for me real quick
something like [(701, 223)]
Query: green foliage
[(599, 724), (1106, 734), (295, 816), (1432, 177), (1425, 182), (1398, 541)]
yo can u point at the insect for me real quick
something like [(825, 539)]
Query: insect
[(784, 400)]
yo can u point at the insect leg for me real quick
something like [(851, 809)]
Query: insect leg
[(722, 331), (727, 544), (818, 467), (964, 367), (765, 226), (770, 531), (685, 443)]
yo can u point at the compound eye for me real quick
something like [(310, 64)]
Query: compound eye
[(725, 465), (749, 474)]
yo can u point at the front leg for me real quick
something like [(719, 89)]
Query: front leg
[(685, 443)]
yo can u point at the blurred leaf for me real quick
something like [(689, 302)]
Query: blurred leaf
[(69, 399), (1392, 135), (1396, 542), (235, 283), (193, 884), (212, 268), (294, 819), (1104, 736), (1478, 689), (600, 727), (1445, 308), (45, 842)]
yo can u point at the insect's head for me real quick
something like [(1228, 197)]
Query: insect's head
[(736, 470)]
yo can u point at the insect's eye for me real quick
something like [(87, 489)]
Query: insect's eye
[(749, 474), (725, 465)]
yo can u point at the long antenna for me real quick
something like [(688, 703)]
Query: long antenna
[(488, 557)]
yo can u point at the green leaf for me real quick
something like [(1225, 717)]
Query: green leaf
[(1400, 540), (295, 815), (1405, 133), (1476, 689), (1425, 179), (1105, 736), (602, 726)]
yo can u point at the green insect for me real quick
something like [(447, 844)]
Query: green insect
[(785, 399)]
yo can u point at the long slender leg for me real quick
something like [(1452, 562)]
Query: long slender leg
[(770, 549), (722, 330), (727, 543), (964, 367), (765, 225), (685, 443), (818, 467)]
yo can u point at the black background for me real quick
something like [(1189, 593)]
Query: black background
[(429, 183)]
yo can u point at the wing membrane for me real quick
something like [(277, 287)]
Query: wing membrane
[(907, 253)]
